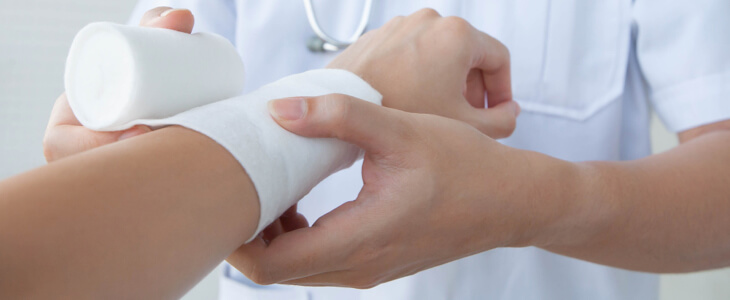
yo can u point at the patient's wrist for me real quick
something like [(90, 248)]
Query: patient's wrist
[(283, 166)]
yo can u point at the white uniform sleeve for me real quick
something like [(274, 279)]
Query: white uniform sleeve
[(683, 48), (216, 16)]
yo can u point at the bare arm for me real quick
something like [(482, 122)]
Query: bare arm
[(142, 218), (665, 213), (451, 192)]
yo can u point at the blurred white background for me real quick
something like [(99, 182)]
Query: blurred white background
[(34, 39)]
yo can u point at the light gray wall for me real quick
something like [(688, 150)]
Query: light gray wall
[(34, 40)]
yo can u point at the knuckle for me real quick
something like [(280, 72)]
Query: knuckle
[(503, 50), (450, 36), (456, 26), (426, 13)]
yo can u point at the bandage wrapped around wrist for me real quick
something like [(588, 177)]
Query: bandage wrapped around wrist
[(283, 167)]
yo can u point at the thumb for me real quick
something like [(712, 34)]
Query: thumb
[(498, 121), (170, 18), (371, 127)]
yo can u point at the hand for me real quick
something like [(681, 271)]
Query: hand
[(65, 136), (425, 63), (435, 190)]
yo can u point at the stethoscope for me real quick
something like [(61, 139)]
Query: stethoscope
[(322, 42)]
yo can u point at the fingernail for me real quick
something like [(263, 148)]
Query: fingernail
[(517, 109), (169, 11), (288, 109), (130, 133)]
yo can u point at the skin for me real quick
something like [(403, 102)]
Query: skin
[(174, 202), (143, 218), (480, 68), (65, 135), (450, 192), (378, 57), (467, 194), (477, 64), (138, 219)]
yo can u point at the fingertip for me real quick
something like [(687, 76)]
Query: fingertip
[(512, 107), (288, 109), (178, 19), (152, 15), (499, 121)]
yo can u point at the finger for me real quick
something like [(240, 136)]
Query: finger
[(292, 211), (292, 255), (496, 122), (65, 140), (272, 231), (62, 113), (160, 17), (171, 18), (374, 128), (301, 253), (291, 223), (474, 92), (493, 59)]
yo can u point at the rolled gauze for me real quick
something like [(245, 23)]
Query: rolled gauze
[(283, 166), (116, 74), (119, 76)]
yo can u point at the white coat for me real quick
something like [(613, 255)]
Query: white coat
[(586, 73)]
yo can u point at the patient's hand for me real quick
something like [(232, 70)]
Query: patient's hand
[(65, 136), (426, 63)]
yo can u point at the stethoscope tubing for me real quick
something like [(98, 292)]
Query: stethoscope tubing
[(326, 42)]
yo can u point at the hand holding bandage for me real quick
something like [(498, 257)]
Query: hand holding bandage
[(117, 77), (416, 88), (66, 136), (430, 188)]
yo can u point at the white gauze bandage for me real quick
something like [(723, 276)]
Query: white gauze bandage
[(116, 74), (283, 166)]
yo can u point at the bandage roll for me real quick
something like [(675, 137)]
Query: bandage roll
[(116, 74), (283, 166)]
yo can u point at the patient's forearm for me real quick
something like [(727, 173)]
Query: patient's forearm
[(142, 218)]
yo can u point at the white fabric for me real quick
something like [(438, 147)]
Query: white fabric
[(585, 94), (119, 76), (693, 37), (116, 74), (283, 166)]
